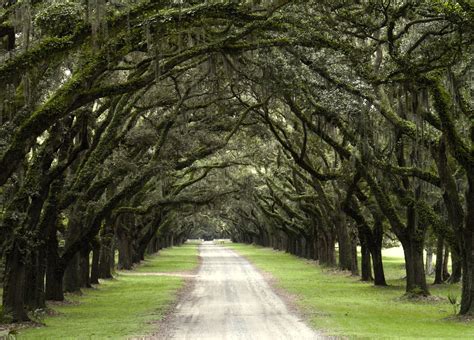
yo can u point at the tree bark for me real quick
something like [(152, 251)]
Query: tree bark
[(439, 261), (366, 267), (429, 261), (125, 260), (84, 267), (467, 300), (72, 281), (415, 269), (94, 279), (355, 262), (54, 272), (344, 241), (34, 282), (106, 250), (457, 266), (14, 284), (54, 280)]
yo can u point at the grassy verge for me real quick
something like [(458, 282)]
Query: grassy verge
[(342, 305), (121, 307)]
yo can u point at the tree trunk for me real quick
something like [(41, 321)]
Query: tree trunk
[(344, 241), (95, 263), (106, 251), (439, 261), (72, 281), (429, 261), (54, 273), (54, 281), (467, 299), (125, 260), (355, 262), (376, 252), (457, 264), (327, 249), (84, 267), (370, 239), (415, 269), (34, 289), (412, 240), (150, 248), (13, 285), (112, 264), (377, 262), (315, 247), (366, 267), (322, 248)]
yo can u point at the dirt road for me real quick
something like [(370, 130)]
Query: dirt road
[(231, 300)]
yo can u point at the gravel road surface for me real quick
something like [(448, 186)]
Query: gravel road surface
[(231, 300)]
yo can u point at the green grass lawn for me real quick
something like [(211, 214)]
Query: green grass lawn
[(342, 305), (121, 307)]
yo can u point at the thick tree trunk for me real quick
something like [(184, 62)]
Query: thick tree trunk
[(277, 242), (84, 267), (412, 240), (457, 265), (366, 267), (445, 271), (371, 241), (376, 252), (150, 248), (439, 261), (415, 269), (344, 241), (106, 251), (284, 241), (315, 247), (95, 263), (327, 249), (460, 222), (125, 260), (72, 281), (301, 246), (467, 300), (13, 285), (54, 281), (322, 248), (377, 262), (34, 285), (54, 272)]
